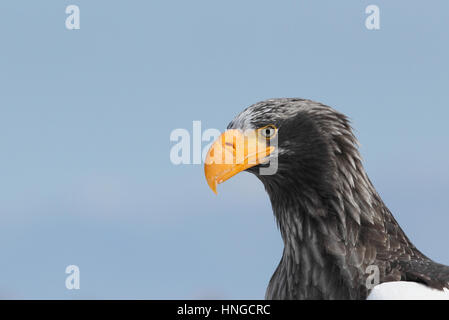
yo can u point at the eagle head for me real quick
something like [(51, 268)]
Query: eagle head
[(293, 144)]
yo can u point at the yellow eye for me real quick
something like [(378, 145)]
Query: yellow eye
[(268, 132)]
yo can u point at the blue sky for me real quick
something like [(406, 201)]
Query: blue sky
[(86, 116)]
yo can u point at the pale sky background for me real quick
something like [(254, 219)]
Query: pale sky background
[(86, 115)]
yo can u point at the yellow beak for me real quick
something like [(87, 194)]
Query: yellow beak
[(233, 152)]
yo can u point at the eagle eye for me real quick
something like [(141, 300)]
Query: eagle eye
[(268, 132)]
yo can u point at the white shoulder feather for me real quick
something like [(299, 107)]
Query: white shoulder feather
[(406, 290)]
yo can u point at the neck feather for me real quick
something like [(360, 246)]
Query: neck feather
[(331, 235)]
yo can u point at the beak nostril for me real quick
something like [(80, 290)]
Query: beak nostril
[(229, 144)]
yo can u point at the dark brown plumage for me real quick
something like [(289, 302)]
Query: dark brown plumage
[(333, 223)]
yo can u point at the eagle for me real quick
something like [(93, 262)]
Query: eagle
[(340, 239)]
